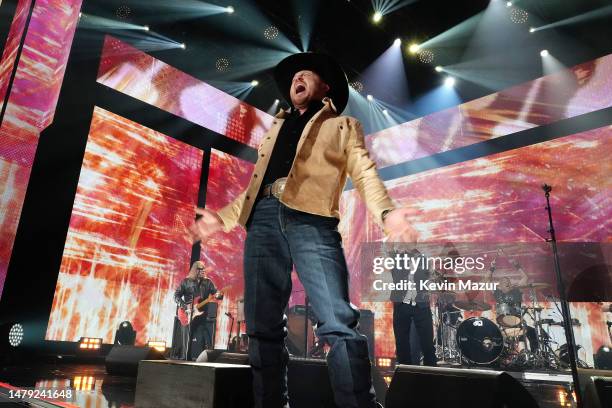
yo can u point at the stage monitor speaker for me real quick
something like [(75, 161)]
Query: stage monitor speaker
[(123, 360), (222, 356), (597, 388), (308, 382), (434, 387), (309, 385), (602, 388)]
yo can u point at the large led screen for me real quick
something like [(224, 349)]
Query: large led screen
[(126, 248)]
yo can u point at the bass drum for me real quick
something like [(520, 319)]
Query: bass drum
[(480, 340)]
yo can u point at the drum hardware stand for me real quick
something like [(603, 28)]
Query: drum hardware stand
[(443, 339), (229, 338), (567, 317)]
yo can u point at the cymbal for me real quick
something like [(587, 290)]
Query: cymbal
[(534, 285), (537, 309), (474, 305)]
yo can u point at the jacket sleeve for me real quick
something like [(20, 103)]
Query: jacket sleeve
[(362, 171), (178, 295), (231, 212)]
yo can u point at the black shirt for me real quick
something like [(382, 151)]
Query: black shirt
[(285, 147)]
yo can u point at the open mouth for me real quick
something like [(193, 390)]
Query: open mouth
[(299, 88)]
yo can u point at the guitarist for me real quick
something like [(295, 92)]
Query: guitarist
[(196, 286)]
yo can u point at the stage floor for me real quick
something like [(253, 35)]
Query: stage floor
[(93, 388)]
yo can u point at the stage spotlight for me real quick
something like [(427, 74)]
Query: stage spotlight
[(508, 4), (184, 46), (90, 345), (438, 68), (370, 98), (229, 9), (222, 64), (125, 334), (145, 27), (384, 362), (271, 33), (15, 336), (385, 112), (426, 56), (603, 357), (544, 53), (123, 12), (377, 17), (357, 86), (519, 16), (276, 101), (80, 14), (414, 48), (449, 81), (532, 30), (254, 82), (397, 42)]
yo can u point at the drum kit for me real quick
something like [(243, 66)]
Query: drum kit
[(507, 342)]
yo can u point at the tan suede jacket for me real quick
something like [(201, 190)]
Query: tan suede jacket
[(330, 148)]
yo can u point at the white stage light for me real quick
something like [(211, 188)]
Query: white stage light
[(397, 42), (544, 53), (438, 68), (413, 48), (16, 335), (370, 98), (254, 82), (377, 17), (229, 9), (449, 81)]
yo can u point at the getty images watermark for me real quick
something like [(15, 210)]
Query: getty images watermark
[(399, 271), (412, 261)]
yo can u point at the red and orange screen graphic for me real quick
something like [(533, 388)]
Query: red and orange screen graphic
[(125, 254), (498, 198), (126, 249), (29, 101)]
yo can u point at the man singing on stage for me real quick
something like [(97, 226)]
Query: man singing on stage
[(290, 212)]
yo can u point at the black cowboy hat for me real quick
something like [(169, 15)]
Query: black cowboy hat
[(325, 66)]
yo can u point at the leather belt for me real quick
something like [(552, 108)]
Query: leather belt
[(275, 189)]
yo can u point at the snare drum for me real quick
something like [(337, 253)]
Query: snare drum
[(508, 314)]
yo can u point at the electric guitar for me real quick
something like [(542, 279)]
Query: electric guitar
[(187, 315)]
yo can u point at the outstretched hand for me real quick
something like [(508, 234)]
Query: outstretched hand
[(205, 226), (398, 226)]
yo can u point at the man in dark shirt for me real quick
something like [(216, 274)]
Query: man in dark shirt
[(283, 153), (196, 287), (412, 306), (290, 211)]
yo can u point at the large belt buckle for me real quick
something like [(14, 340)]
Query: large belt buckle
[(278, 187)]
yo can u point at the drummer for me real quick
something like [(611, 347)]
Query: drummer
[(508, 299)]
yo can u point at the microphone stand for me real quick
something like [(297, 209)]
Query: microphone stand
[(306, 322), (565, 310), (188, 348)]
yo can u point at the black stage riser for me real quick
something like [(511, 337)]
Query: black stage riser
[(222, 382)]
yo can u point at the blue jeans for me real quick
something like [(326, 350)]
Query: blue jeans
[(279, 237)]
